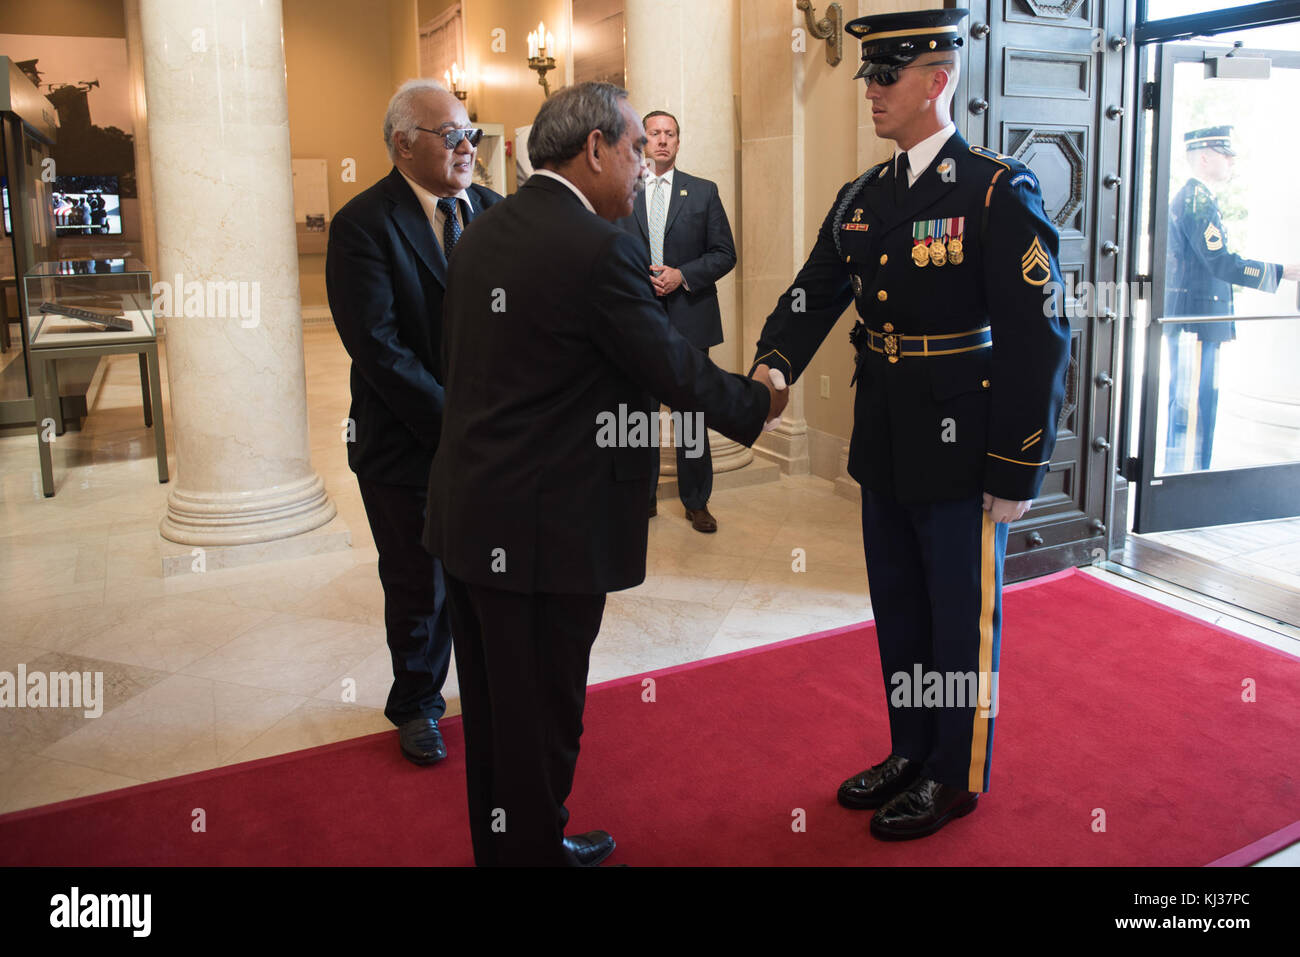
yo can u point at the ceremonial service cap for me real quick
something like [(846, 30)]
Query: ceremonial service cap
[(891, 40), (1211, 138)]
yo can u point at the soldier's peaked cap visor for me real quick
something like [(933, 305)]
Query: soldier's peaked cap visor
[(891, 40), (1211, 138)]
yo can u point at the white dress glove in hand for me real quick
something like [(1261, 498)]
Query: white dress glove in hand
[(778, 383)]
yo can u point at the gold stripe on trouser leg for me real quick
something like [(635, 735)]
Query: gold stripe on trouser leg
[(988, 587)]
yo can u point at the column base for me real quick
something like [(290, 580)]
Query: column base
[(246, 518), (179, 560), (727, 456), (787, 446)]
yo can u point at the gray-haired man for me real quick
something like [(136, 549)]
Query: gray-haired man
[(385, 272)]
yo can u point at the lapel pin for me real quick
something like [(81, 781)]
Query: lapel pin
[(682, 193)]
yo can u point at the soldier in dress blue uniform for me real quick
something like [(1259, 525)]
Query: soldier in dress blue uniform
[(1201, 274), (962, 349)]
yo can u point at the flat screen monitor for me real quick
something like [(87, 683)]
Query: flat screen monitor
[(86, 206)]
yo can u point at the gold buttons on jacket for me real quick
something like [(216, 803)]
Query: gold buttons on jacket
[(985, 383), (884, 259), (889, 327), (882, 295)]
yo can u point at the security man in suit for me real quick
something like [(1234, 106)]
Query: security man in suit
[(962, 349), (689, 240), (552, 338), (385, 271), (1201, 274)]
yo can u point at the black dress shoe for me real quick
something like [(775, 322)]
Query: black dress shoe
[(421, 741), (876, 785), (590, 848), (920, 810)]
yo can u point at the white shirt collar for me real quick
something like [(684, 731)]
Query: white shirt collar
[(920, 156), (429, 202), (577, 192), (650, 179)]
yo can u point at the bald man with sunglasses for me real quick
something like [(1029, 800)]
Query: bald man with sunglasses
[(950, 260), (385, 273)]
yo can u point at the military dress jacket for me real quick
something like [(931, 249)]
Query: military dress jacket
[(961, 376), (1201, 270)]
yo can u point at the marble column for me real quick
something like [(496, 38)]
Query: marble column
[(773, 187), (681, 57), (223, 195)]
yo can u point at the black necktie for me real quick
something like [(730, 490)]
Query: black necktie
[(900, 178), (450, 225)]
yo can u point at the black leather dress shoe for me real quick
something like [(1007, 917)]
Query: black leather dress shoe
[(920, 810), (876, 785), (590, 848), (421, 741)]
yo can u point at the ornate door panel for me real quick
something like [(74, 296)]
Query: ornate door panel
[(1045, 83)]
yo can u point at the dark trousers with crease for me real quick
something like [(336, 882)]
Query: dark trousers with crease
[(694, 475), (935, 573), (415, 607), (521, 661)]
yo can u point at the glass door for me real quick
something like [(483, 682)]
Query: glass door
[(1219, 425)]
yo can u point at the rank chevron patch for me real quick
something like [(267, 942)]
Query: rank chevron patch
[(1035, 257)]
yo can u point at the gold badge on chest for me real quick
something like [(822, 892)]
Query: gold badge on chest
[(939, 241)]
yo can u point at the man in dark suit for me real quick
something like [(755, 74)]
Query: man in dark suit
[(552, 339), (951, 262), (685, 229), (385, 271), (1201, 272)]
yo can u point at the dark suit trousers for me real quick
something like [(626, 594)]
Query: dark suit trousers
[(694, 475), (415, 613), (522, 664)]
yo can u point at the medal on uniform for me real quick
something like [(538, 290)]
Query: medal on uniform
[(920, 237), (938, 247), (956, 229), (857, 284)]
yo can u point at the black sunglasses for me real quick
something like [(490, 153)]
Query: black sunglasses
[(451, 139), (888, 75)]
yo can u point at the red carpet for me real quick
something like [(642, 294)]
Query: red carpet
[(1109, 703)]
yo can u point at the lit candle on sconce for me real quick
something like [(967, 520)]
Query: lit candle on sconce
[(541, 55)]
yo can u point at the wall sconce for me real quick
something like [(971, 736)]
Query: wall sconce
[(541, 46), (457, 80), (829, 28)]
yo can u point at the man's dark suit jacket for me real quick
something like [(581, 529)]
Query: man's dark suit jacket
[(698, 241), (550, 323), (385, 274)]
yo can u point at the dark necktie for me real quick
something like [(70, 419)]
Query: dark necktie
[(900, 178), (450, 225)]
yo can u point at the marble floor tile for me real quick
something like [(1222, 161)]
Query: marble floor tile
[(33, 729), (180, 725), (289, 653), (31, 780)]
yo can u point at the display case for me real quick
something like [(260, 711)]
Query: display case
[(89, 308), (88, 302)]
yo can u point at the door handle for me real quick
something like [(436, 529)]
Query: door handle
[(978, 105), (979, 31), (1109, 248), (1114, 112), (1111, 180)]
